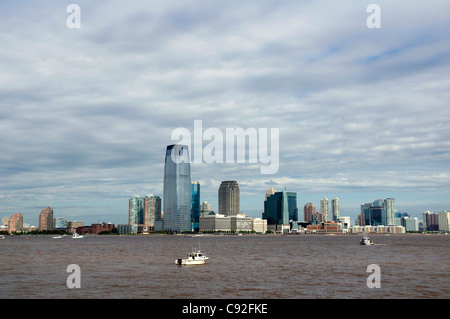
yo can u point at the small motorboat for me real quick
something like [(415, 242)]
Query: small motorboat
[(57, 236), (2, 237), (196, 257), (76, 236), (366, 241)]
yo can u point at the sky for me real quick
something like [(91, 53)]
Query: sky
[(86, 113)]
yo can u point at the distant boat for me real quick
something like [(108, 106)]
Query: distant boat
[(58, 236), (366, 241), (76, 235), (196, 257), (2, 237)]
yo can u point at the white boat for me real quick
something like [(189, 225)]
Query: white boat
[(196, 257), (58, 236), (76, 235), (2, 237), (366, 241)]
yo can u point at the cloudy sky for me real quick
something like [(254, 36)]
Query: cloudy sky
[(86, 113)]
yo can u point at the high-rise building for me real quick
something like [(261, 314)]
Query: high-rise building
[(324, 209), (269, 192), (410, 223), (177, 189), (390, 211), (380, 212), (281, 208), (135, 210), (46, 219), (229, 198), (60, 222), (444, 220), (309, 211), (430, 221), (15, 223), (5, 221), (195, 206), (152, 209), (335, 209), (144, 210), (375, 214), (205, 209)]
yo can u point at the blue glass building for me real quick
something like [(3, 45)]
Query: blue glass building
[(195, 206), (280, 208), (380, 212), (177, 189)]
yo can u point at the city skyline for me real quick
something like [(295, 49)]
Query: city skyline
[(86, 113)]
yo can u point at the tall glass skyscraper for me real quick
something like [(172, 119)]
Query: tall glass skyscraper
[(177, 189), (280, 208), (335, 209), (195, 206), (380, 212)]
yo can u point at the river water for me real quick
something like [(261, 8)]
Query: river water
[(247, 267)]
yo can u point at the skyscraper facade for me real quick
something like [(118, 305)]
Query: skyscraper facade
[(135, 210), (309, 210), (46, 219), (269, 192), (444, 220), (60, 222), (390, 211), (324, 209), (15, 223), (229, 198), (280, 208), (335, 209), (195, 206), (205, 209), (430, 221), (177, 189), (143, 210), (379, 212)]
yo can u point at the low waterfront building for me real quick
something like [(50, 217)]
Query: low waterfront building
[(232, 223), (380, 229), (259, 225), (74, 224), (330, 227), (96, 228), (123, 229)]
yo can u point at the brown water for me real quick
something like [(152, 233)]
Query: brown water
[(257, 267)]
